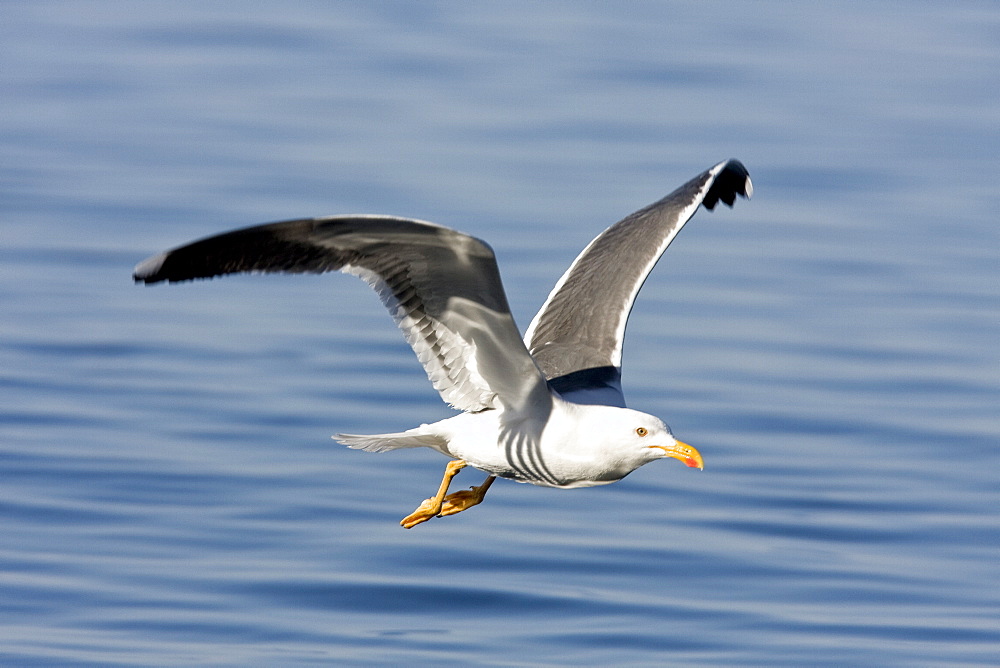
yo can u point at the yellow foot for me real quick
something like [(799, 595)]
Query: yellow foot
[(432, 506), (459, 501), (425, 511)]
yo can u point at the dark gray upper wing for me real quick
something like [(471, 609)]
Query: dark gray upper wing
[(441, 287), (576, 337)]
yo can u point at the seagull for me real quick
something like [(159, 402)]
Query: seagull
[(546, 409)]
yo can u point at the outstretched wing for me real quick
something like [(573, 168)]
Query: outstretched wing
[(576, 337), (441, 287)]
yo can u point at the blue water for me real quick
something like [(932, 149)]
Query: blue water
[(169, 494)]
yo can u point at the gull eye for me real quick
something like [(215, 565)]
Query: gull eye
[(641, 431)]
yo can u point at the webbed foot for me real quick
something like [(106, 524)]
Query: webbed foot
[(459, 501)]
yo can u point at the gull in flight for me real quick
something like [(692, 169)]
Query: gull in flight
[(545, 409)]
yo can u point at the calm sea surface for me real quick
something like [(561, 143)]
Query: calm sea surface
[(169, 494)]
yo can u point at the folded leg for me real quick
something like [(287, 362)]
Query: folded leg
[(432, 506)]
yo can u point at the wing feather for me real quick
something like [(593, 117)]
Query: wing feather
[(576, 337), (441, 287)]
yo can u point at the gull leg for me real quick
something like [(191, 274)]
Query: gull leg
[(432, 506), (459, 501)]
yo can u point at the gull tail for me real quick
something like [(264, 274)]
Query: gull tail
[(411, 438)]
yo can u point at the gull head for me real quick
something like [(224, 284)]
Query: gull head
[(653, 438), (625, 439)]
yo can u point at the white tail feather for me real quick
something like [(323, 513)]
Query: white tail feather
[(413, 438)]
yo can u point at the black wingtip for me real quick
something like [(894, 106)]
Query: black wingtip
[(733, 180)]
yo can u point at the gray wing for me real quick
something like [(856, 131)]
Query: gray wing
[(576, 337), (441, 287)]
